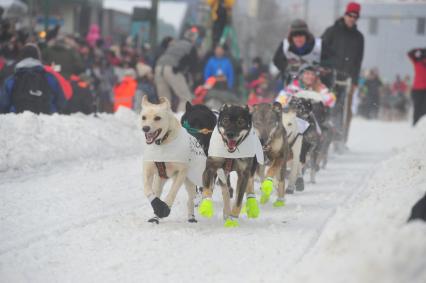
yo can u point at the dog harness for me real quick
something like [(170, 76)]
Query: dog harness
[(161, 168), (250, 146), (183, 149), (294, 140)]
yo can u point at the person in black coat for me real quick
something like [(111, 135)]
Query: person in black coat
[(343, 50)]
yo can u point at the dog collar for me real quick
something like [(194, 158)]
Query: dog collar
[(160, 141), (190, 130)]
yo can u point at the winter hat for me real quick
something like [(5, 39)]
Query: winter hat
[(353, 8), (30, 50), (308, 67), (299, 26)]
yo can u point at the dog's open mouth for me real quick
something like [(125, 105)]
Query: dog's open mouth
[(151, 137), (232, 145)]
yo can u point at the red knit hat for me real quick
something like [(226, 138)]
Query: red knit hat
[(353, 8)]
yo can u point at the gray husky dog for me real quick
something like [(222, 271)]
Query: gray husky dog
[(267, 121)]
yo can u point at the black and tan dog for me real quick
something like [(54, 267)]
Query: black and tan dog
[(267, 121), (234, 127), (323, 117), (311, 138), (199, 121)]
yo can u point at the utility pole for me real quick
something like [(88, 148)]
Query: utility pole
[(306, 11), (336, 8), (46, 14), (154, 26)]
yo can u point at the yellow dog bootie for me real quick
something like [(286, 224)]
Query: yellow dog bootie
[(267, 187), (206, 208), (231, 222), (280, 202), (251, 207)]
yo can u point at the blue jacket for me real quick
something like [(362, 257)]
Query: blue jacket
[(220, 66), (58, 99)]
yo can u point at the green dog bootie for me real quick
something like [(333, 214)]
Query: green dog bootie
[(231, 222), (206, 208), (279, 203), (252, 208), (267, 187)]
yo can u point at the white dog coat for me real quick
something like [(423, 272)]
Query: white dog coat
[(183, 149), (302, 125), (250, 147)]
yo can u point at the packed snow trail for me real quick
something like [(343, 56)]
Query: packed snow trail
[(84, 220)]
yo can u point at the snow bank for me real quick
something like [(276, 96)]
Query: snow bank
[(368, 240), (28, 140)]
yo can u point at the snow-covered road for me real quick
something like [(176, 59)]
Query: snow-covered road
[(83, 219)]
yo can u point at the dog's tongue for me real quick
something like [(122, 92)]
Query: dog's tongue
[(232, 143)]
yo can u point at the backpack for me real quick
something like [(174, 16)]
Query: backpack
[(31, 91), (81, 101)]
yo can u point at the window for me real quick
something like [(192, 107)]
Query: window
[(373, 25), (421, 26)]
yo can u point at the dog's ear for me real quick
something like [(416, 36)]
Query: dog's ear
[(246, 108), (145, 102), (276, 106), (164, 102), (188, 106), (224, 107)]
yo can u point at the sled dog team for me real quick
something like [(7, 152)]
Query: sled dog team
[(202, 149)]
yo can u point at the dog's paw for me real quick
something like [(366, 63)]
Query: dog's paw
[(154, 220), (231, 222), (192, 219), (206, 208), (267, 187), (290, 189), (252, 208), (161, 209), (300, 184), (279, 203)]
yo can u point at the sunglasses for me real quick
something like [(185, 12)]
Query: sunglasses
[(353, 16)]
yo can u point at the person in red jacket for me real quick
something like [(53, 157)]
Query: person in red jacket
[(65, 85), (418, 91), (124, 91)]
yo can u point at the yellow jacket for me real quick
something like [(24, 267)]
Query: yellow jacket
[(214, 4)]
